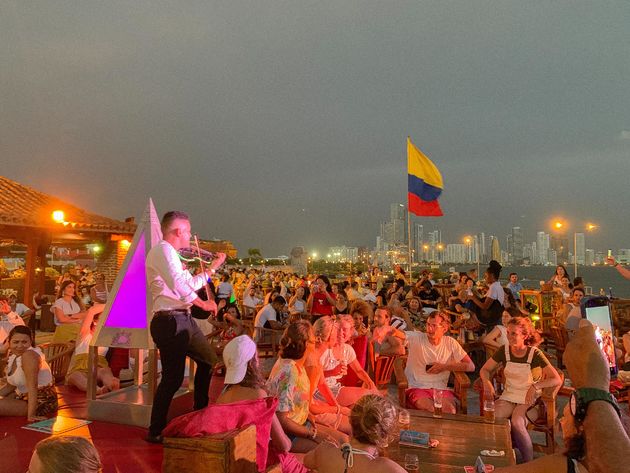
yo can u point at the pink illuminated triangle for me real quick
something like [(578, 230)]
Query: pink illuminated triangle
[(125, 319), (129, 308)]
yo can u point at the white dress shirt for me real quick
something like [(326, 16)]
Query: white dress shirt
[(172, 287)]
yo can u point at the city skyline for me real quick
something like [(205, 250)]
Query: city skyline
[(548, 247)]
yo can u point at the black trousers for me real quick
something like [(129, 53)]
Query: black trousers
[(177, 336)]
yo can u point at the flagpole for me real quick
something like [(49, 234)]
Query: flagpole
[(409, 256)]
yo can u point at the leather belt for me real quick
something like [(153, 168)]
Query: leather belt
[(164, 313)]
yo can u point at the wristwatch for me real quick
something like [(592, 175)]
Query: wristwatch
[(580, 399)]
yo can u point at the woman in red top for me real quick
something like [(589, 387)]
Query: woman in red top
[(322, 300)]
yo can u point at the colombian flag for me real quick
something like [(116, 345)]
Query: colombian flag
[(424, 184)]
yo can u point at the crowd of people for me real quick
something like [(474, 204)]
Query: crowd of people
[(328, 409)]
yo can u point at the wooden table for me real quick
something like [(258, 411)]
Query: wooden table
[(462, 437)]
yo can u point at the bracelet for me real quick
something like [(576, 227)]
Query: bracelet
[(312, 432)]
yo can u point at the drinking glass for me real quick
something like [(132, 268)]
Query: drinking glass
[(488, 411), (437, 403), (404, 419), (412, 463)]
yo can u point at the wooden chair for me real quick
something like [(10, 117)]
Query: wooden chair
[(58, 356), (267, 340), (381, 367), (461, 383), (47, 321), (557, 341)]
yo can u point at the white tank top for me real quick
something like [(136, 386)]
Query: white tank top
[(18, 379)]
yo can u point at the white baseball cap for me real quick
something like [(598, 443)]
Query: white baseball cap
[(236, 355)]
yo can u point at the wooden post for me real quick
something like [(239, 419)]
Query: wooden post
[(92, 372), (32, 246)]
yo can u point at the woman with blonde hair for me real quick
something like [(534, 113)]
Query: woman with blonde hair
[(67, 453), (373, 419), (324, 406), (527, 370), (335, 362)]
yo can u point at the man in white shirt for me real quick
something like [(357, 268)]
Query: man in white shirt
[(432, 357), (268, 316), (353, 293), (176, 335)]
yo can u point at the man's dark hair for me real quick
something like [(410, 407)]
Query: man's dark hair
[(513, 274), (279, 300), (171, 216)]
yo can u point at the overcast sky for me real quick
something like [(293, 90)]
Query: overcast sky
[(284, 123)]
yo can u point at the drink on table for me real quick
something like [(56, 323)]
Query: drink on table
[(437, 403), (412, 463), (488, 411), (404, 419)]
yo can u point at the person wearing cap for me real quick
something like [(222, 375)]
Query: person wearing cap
[(244, 382)]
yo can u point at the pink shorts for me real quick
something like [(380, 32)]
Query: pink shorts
[(413, 395)]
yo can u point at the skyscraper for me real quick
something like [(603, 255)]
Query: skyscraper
[(496, 249), (580, 256), (542, 245), (517, 245)]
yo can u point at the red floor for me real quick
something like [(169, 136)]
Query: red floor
[(121, 447)]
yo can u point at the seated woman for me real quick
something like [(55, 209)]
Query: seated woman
[(341, 304), (374, 419), (526, 371), (243, 382), (556, 279), (489, 309), (324, 406), (231, 326), (297, 304), (497, 337), (335, 362), (69, 454), (77, 375), (68, 313), (289, 382), (30, 390)]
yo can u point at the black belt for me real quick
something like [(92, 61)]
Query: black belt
[(163, 313)]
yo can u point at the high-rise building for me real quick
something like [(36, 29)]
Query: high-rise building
[(394, 232), (589, 257), (560, 243), (542, 245), (434, 239), (485, 249), (517, 245), (418, 241), (579, 248), (455, 253), (509, 244), (496, 249)]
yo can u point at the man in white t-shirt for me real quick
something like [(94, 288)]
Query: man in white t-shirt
[(267, 317), (432, 357)]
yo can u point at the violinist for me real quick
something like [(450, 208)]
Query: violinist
[(174, 332)]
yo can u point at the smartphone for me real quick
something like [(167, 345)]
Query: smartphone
[(596, 309)]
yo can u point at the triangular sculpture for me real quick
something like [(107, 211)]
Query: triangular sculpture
[(125, 320)]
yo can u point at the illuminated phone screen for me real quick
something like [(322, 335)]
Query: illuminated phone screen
[(600, 318)]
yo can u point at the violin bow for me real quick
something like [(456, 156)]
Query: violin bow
[(203, 269)]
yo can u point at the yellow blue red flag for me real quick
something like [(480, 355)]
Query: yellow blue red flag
[(424, 184)]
